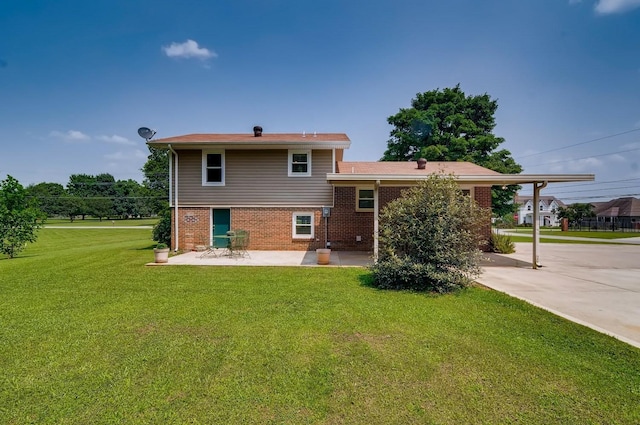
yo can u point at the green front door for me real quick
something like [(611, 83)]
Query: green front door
[(220, 226)]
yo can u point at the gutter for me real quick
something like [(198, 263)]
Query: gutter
[(175, 214)]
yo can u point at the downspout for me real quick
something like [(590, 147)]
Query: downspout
[(376, 210), (175, 213), (536, 223)]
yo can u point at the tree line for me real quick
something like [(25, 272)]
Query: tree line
[(102, 196), (99, 196)]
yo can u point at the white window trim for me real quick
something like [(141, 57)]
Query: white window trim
[(204, 168), (358, 189), (290, 163), (294, 235)]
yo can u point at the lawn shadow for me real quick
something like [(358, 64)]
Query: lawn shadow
[(19, 256), (367, 280), (146, 248)]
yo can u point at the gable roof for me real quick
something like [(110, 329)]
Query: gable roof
[(249, 141), (523, 199)]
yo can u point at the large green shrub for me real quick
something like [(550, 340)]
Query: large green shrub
[(430, 238), (20, 217), (162, 229)]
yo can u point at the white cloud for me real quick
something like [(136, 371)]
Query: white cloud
[(617, 158), (584, 165), (632, 145), (188, 49), (119, 140), (126, 156), (138, 154), (606, 7), (71, 136)]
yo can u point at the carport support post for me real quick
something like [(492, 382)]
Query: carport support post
[(537, 186), (376, 210)]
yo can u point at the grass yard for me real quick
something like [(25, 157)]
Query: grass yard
[(596, 234), (89, 335), (529, 239), (93, 222)]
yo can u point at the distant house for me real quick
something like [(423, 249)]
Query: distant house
[(547, 210), (294, 191), (622, 213)]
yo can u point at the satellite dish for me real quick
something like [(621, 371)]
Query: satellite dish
[(146, 133)]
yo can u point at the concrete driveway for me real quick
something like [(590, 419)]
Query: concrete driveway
[(594, 285)]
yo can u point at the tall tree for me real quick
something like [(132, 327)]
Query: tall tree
[(575, 213), (102, 192), (19, 217), (128, 202), (448, 125), (48, 196), (156, 179), (81, 186)]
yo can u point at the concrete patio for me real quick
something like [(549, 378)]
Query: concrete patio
[(271, 258)]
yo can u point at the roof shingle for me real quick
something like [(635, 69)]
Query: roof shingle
[(411, 168)]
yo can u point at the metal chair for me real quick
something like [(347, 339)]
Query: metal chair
[(240, 242)]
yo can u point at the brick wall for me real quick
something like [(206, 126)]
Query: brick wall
[(193, 227), (269, 228), (346, 224), (482, 195), (272, 228)]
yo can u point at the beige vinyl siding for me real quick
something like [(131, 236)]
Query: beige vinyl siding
[(255, 178)]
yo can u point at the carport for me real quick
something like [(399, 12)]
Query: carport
[(538, 182)]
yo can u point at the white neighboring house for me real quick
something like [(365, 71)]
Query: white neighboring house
[(547, 210)]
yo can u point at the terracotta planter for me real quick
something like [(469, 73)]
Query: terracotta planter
[(161, 254), (323, 255)]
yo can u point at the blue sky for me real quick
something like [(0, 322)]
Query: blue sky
[(77, 78)]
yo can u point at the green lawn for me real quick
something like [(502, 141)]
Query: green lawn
[(596, 234), (89, 335)]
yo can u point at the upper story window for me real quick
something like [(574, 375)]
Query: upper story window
[(364, 201), (299, 163), (528, 207), (213, 168), (541, 207)]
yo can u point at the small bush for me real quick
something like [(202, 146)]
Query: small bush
[(502, 244), (505, 222)]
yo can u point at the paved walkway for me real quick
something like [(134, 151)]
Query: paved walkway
[(273, 258), (594, 285)]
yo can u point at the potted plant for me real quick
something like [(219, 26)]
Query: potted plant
[(161, 252)]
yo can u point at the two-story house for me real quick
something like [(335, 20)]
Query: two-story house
[(547, 210), (295, 192)]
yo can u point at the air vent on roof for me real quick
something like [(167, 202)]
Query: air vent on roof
[(257, 131), (422, 163)]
